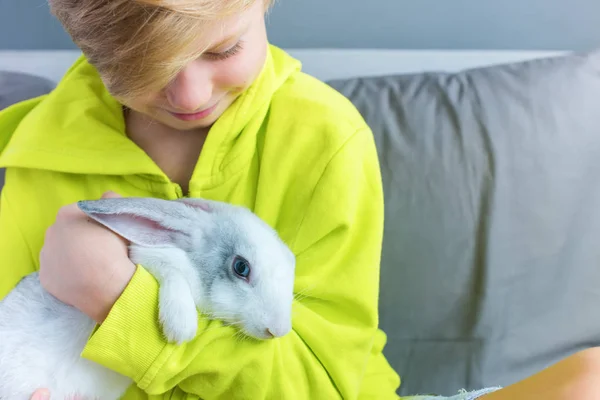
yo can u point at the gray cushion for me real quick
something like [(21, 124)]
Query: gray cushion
[(17, 86), (491, 260)]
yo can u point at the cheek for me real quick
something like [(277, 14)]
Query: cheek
[(240, 71), (226, 300), (142, 105)]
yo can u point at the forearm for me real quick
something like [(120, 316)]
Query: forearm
[(217, 365), (575, 377)]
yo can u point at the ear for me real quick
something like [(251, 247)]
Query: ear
[(208, 206), (197, 204), (143, 221)]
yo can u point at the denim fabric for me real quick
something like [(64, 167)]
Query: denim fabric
[(463, 395)]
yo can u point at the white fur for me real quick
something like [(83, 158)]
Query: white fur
[(188, 246), (180, 289), (40, 344)]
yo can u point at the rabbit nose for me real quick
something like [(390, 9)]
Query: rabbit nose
[(276, 331)]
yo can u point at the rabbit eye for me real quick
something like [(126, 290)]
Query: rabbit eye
[(241, 267)]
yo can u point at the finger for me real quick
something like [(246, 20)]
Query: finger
[(41, 394), (110, 195), (69, 211)]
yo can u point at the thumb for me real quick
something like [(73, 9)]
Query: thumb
[(110, 195)]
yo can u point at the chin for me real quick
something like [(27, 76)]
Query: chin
[(190, 126), (257, 335), (175, 123)]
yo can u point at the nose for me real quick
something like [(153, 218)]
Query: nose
[(191, 90), (277, 331)]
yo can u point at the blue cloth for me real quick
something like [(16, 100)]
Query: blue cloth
[(463, 395)]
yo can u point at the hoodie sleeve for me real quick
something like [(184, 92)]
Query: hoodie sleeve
[(338, 247), (16, 257)]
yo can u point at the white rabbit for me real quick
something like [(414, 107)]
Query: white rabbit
[(217, 257)]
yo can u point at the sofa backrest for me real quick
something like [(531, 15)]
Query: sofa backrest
[(18, 86), (491, 266), (491, 259)]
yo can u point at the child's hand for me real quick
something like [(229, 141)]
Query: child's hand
[(84, 264), (43, 394)]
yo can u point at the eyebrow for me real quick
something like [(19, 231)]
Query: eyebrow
[(230, 37), (222, 42)]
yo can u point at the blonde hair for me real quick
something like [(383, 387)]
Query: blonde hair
[(139, 45)]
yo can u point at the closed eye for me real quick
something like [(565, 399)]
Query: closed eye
[(227, 53)]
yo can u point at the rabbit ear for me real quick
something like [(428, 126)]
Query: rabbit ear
[(143, 221), (209, 206), (201, 204)]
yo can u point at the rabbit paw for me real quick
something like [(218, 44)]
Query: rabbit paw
[(177, 311)]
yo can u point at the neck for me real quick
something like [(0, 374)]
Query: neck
[(175, 152)]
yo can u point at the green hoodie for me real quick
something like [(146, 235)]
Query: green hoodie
[(291, 149)]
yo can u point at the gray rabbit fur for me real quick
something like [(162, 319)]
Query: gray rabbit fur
[(206, 255)]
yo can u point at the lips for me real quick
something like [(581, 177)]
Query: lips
[(195, 116)]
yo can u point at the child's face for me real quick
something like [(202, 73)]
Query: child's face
[(206, 87)]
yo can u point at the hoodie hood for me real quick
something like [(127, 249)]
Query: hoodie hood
[(80, 128)]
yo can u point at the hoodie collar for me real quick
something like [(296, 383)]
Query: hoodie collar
[(79, 128)]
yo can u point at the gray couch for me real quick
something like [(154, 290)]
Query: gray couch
[(491, 259)]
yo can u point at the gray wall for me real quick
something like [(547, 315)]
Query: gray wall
[(430, 24)]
